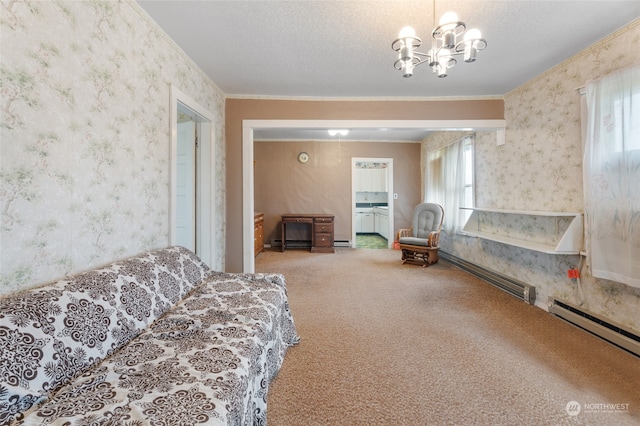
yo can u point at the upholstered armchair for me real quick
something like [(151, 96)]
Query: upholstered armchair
[(420, 243)]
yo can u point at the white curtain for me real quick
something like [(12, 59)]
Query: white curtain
[(445, 183), (612, 177)]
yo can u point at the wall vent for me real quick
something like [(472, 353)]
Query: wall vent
[(519, 289), (605, 329)]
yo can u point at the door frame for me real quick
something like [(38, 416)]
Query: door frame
[(205, 184), (389, 172)]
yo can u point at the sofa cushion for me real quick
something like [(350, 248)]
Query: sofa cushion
[(413, 241)]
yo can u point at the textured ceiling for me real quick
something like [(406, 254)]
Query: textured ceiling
[(343, 48)]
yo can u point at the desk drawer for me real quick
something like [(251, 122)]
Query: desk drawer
[(323, 220), (297, 220), (324, 240), (322, 228)]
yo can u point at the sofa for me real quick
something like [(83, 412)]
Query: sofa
[(157, 338)]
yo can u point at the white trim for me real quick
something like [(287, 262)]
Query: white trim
[(333, 140), (459, 125), (206, 185), (248, 242), (365, 98), (248, 260)]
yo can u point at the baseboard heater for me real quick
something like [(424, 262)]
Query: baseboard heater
[(605, 329), (307, 243), (519, 289)]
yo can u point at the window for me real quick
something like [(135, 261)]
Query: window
[(611, 176), (449, 175), (469, 177)]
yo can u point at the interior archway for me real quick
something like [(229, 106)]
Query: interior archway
[(248, 127)]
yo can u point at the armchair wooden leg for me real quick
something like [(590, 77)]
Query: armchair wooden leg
[(433, 256)]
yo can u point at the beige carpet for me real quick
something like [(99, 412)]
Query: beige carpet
[(391, 344)]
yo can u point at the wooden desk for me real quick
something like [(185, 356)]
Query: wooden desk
[(321, 230)]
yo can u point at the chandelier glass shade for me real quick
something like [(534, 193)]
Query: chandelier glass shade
[(450, 39)]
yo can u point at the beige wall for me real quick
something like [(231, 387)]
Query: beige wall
[(237, 110), (323, 185)]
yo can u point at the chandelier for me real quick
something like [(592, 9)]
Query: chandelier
[(450, 39)]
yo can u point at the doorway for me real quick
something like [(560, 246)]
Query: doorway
[(372, 202), (186, 189), (192, 218)]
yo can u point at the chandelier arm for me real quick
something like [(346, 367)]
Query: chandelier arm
[(398, 43), (420, 61), (459, 29), (426, 59), (422, 55), (456, 53), (481, 44)]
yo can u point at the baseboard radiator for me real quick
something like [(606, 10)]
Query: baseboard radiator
[(519, 289), (307, 243), (605, 329)]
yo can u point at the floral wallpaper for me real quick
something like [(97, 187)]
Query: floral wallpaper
[(84, 160), (540, 168)]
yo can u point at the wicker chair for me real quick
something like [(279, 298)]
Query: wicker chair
[(420, 243)]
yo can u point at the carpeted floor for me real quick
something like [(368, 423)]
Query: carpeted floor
[(389, 344)]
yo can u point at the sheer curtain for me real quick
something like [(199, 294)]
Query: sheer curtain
[(445, 183), (612, 177)]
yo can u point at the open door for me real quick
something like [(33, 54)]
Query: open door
[(186, 194)]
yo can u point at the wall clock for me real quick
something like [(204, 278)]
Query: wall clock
[(303, 157)]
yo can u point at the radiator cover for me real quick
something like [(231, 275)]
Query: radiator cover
[(514, 287), (605, 329)]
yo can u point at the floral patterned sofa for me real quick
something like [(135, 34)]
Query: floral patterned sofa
[(158, 338)]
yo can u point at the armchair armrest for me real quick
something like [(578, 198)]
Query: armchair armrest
[(434, 239), (405, 232)]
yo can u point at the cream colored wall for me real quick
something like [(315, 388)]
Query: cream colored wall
[(323, 185), (540, 168), (85, 137)]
